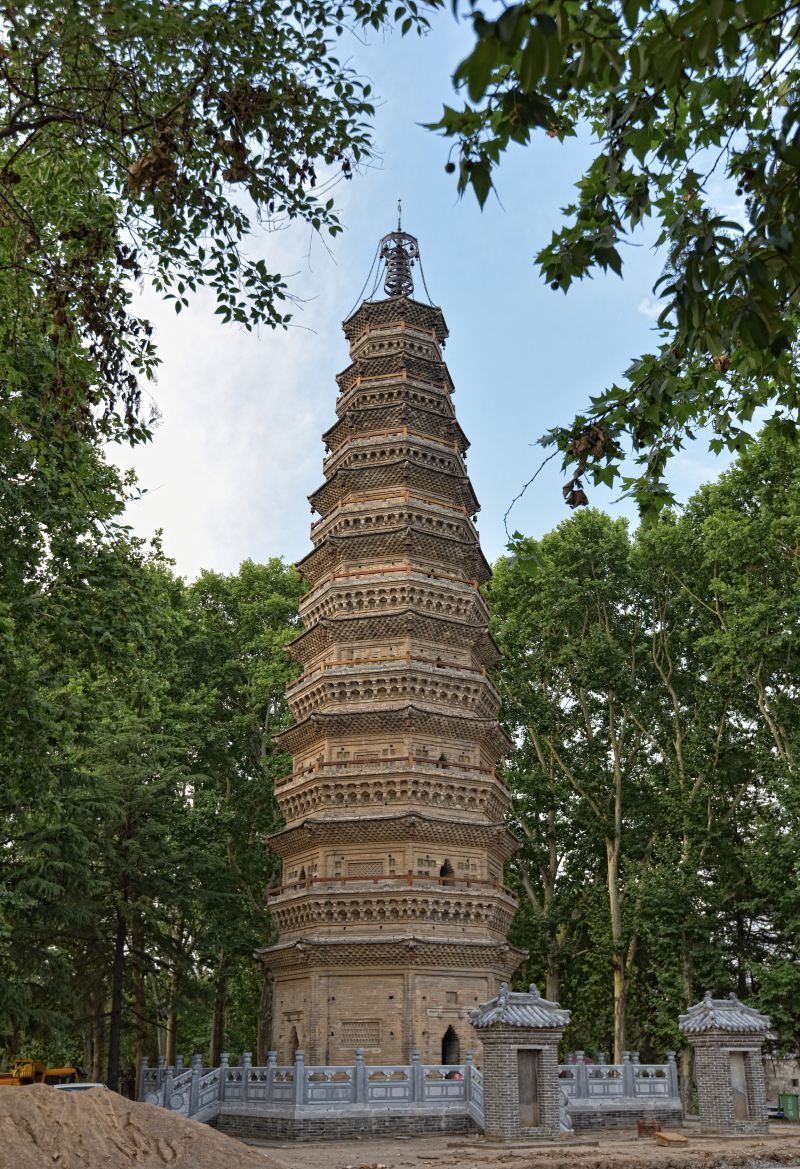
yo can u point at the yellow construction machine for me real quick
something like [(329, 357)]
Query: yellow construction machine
[(36, 1071)]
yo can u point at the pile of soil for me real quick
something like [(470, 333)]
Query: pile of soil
[(97, 1129)]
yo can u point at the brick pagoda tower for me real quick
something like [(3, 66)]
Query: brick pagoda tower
[(392, 915)]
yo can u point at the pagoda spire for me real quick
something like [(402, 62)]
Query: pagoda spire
[(400, 251)]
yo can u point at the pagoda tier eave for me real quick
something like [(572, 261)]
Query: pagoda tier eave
[(393, 720), (392, 951), (430, 371), (418, 826), (405, 622), (397, 475), (337, 550), (389, 309), (346, 427)]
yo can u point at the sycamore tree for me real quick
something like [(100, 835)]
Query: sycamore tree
[(691, 105)]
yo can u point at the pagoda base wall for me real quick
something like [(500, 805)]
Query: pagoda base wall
[(386, 1012)]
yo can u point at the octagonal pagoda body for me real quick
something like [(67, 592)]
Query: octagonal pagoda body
[(392, 915)]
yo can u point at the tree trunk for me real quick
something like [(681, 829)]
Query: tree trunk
[(264, 1034), (686, 1054), (617, 956), (172, 1034), (98, 1040), (218, 1019), (139, 995), (117, 993)]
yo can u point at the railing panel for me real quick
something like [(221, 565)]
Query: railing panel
[(234, 1084), (258, 1085), (283, 1086), (388, 1084), (329, 1085), (443, 1082), (651, 1079), (605, 1080), (209, 1088), (179, 1096), (476, 1088)]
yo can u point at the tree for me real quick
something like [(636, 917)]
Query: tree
[(579, 660), (145, 140), (677, 96), (682, 877)]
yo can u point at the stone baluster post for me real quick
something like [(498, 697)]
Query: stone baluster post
[(161, 1065), (143, 1067), (196, 1064), (299, 1077), (581, 1075), (169, 1076), (601, 1058), (223, 1074), (272, 1063), (628, 1081), (672, 1075), (245, 1063), (417, 1078), (178, 1064), (360, 1078)]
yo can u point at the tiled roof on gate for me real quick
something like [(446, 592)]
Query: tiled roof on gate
[(722, 1015), (519, 1009)]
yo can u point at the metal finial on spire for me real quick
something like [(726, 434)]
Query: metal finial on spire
[(400, 250)]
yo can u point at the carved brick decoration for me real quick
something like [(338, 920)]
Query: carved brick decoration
[(391, 914)]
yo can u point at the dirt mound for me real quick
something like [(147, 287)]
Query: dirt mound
[(96, 1129)]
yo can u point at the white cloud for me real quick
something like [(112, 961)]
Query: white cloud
[(238, 446), (651, 308)]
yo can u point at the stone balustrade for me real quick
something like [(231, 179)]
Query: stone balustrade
[(628, 1080), (274, 1091)]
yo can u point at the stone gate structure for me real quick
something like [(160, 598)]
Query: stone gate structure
[(727, 1038), (392, 914)]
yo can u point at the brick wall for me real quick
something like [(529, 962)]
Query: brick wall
[(712, 1051), (331, 1127), (501, 1105)]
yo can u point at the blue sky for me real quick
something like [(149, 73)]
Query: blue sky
[(238, 449)]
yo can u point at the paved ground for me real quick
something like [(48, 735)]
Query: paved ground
[(595, 1151)]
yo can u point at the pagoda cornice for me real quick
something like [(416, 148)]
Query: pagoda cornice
[(405, 622), (356, 483), (397, 827), (393, 951), (430, 371), (385, 448), (394, 720), (364, 591), (382, 417), (396, 509), (344, 686), (330, 791), (384, 546), (394, 390), (341, 904), (377, 314)]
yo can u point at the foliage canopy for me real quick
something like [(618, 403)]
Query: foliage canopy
[(692, 105)]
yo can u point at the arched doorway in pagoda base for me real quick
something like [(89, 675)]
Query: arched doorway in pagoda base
[(294, 1044), (451, 1046)]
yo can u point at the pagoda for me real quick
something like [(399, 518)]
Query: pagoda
[(391, 915)]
